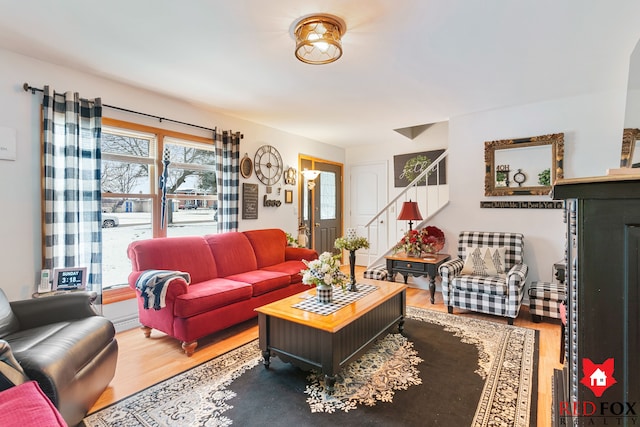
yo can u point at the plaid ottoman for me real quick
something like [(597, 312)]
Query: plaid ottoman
[(545, 299), (378, 273)]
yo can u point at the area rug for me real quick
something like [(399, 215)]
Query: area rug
[(444, 370)]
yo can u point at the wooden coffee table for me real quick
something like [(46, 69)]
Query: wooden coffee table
[(327, 343)]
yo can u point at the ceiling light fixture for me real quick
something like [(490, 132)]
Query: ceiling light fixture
[(318, 39)]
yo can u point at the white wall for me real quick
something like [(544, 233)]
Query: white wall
[(592, 125), (20, 224)]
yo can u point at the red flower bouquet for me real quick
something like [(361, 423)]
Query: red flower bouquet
[(414, 242)]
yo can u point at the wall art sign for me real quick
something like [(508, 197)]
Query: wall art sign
[(407, 167), (554, 204), (249, 201)]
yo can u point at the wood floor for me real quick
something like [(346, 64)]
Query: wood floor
[(144, 362)]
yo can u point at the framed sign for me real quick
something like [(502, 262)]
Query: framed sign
[(288, 196), (68, 279), (407, 167), (249, 201)]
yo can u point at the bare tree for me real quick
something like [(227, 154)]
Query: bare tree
[(125, 176)]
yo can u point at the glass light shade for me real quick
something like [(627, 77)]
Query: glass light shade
[(318, 39), (310, 175)]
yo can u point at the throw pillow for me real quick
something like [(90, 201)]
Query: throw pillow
[(26, 405), (484, 261)]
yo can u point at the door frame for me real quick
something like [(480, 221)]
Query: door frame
[(309, 162)]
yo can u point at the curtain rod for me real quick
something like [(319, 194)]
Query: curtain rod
[(33, 90)]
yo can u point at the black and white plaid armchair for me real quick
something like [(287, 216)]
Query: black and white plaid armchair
[(491, 294)]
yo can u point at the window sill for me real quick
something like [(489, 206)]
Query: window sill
[(110, 296)]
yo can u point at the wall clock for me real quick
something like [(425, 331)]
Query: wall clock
[(268, 165), (519, 177)]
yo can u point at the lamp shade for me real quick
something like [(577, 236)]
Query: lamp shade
[(410, 212)]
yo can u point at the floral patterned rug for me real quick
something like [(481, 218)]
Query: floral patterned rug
[(444, 370)]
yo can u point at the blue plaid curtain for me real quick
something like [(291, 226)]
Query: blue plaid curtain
[(228, 180), (72, 198)]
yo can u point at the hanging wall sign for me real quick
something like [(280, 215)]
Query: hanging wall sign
[(407, 167), (553, 204), (249, 201)]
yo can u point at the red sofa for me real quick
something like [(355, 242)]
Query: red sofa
[(231, 274)]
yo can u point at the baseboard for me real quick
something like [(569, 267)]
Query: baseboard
[(126, 323)]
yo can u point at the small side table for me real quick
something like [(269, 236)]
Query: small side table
[(405, 265)]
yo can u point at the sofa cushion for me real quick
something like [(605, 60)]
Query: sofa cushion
[(232, 252), (209, 295), (26, 405), (263, 281), (490, 285), (268, 245), (189, 254), (292, 268)]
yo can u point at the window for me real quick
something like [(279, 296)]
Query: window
[(131, 195)]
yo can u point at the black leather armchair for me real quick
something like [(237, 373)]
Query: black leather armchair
[(63, 344)]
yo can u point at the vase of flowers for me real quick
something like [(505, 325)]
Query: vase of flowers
[(324, 273), (351, 242), (429, 239)]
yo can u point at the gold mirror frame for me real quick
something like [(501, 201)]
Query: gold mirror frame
[(556, 141), (630, 138)]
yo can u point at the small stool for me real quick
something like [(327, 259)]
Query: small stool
[(545, 299)]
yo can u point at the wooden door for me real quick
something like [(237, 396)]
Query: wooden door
[(327, 207), (321, 206)]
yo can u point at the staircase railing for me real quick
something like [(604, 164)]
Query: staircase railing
[(384, 230)]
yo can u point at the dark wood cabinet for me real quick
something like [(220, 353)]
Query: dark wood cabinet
[(602, 257)]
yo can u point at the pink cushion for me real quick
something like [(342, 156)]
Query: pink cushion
[(211, 294), (232, 252), (269, 245), (25, 405), (263, 281)]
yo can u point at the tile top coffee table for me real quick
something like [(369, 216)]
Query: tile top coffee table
[(427, 266), (326, 343)]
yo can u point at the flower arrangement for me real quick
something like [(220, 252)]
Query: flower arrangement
[(291, 241), (324, 271), (430, 239), (351, 243)]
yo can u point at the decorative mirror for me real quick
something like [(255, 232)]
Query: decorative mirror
[(246, 166), (515, 167), (630, 157)]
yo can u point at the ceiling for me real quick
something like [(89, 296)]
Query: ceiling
[(405, 62)]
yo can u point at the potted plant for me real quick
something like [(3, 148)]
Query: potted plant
[(324, 273), (351, 243)]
